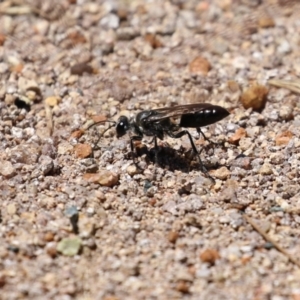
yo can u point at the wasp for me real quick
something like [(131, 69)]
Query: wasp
[(169, 121)]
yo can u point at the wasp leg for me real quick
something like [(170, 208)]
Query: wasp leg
[(152, 140), (200, 132), (181, 134), (156, 150), (155, 157), (133, 139), (185, 132), (96, 147), (206, 138)]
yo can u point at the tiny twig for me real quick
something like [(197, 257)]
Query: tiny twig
[(269, 239), (16, 10), (292, 85), (293, 210), (49, 118)]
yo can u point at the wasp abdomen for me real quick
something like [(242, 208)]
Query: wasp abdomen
[(203, 117)]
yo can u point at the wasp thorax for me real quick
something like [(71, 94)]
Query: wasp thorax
[(122, 126)]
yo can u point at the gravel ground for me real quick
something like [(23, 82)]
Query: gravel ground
[(80, 221)]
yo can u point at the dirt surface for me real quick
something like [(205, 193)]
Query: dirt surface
[(79, 220)]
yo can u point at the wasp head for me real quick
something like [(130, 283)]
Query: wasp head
[(123, 126)]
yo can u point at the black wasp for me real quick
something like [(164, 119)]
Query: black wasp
[(169, 121)]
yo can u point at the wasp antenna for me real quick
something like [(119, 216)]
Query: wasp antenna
[(106, 121), (113, 123), (109, 127)]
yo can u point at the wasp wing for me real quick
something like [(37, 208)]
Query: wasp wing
[(176, 111), (189, 115)]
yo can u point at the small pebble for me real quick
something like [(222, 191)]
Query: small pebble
[(69, 246), (153, 40), (218, 46), (81, 68), (110, 21), (10, 99), (255, 97), (266, 169), (2, 39), (77, 134), (224, 220), (266, 22), (7, 169), (48, 202), (284, 47), (86, 226), (199, 65), (204, 272), (11, 209), (42, 27), (283, 138), (52, 101), (282, 203), (46, 164), (11, 89), (253, 132), (209, 256), (2, 280), (17, 132), (286, 112), (126, 33), (277, 158), (104, 177), (51, 249), (182, 286), (83, 150), (246, 248), (246, 144), (132, 170), (222, 173), (242, 162), (64, 148), (235, 138), (173, 236), (49, 236), (31, 95), (233, 86), (25, 84), (3, 68)]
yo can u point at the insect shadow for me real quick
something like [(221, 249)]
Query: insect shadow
[(170, 121), (167, 157)]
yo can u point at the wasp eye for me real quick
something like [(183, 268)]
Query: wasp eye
[(122, 126)]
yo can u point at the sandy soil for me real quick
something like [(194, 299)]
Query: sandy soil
[(79, 220)]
